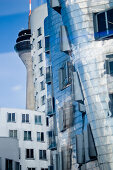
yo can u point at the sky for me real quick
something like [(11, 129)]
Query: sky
[(13, 18)]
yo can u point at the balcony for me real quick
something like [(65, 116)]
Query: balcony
[(52, 141)]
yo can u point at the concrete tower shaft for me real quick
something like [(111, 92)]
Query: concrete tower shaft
[(23, 48)]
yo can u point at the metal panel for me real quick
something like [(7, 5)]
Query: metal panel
[(77, 91), (92, 148), (86, 147), (82, 108), (64, 42), (80, 149)]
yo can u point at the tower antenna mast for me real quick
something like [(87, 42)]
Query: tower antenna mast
[(29, 7)]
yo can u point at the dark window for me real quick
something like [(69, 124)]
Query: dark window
[(39, 31), (111, 103), (31, 168), (47, 44), (42, 84), (25, 118), (38, 120), (47, 121), (29, 153), (40, 136), (27, 135), (17, 166), (103, 24), (8, 164), (41, 71), (65, 75), (11, 117), (42, 154), (40, 44), (43, 99), (40, 57), (48, 75)]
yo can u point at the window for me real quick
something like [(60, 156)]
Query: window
[(48, 75), (27, 135), (39, 44), (41, 71), (39, 31), (50, 106), (65, 75), (31, 168), (38, 120), (13, 133), (25, 118), (43, 99), (44, 168), (11, 117), (42, 154), (103, 24), (47, 121), (111, 103), (42, 85), (109, 64), (8, 164), (40, 57), (29, 153), (47, 44), (17, 166), (40, 136)]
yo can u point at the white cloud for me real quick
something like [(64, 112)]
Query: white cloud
[(17, 88)]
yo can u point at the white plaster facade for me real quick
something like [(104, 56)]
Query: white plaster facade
[(18, 125), (37, 35)]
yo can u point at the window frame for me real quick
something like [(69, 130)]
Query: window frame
[(37, 118), (39, 30), (26, 118), (29, 156), (27, 136), (42, 155), (96, 29), (41, 137), (14, 134), (11, 117)]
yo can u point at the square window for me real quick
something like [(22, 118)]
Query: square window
[(25, 118), (40, 136), (27, 135), (38, 120), (29, 153), (11, 117), (42, 154), (13, 134)]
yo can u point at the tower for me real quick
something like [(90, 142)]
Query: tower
[(23, 48)]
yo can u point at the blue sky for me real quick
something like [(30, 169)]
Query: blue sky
[(13, 18)]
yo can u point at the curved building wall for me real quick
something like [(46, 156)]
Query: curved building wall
[(38, 55), (89, 57), (63, 98)]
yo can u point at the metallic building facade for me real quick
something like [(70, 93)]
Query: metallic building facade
[(77, 36)]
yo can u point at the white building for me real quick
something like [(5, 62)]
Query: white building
[(38, 55), (29, 128)]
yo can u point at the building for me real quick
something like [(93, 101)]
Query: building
[(38, 55), (27, 129), (81, 60), (9, 154)]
